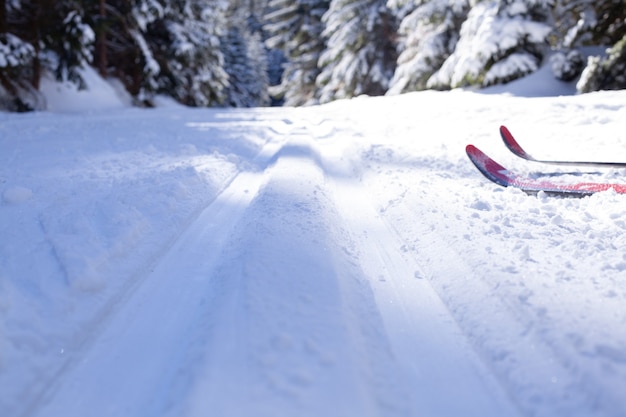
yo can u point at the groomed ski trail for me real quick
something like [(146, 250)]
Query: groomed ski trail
[(344, 324), (151, 335)]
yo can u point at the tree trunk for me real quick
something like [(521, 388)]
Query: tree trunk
[(101, 41), (3, 16), (36, 34)]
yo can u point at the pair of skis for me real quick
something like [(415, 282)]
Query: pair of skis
[(502, 176)]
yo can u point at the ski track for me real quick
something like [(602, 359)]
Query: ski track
[(298, 291), (343, 311), (534, 373), (173, 295)]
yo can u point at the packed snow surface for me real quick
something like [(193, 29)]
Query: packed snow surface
[(339, 260)]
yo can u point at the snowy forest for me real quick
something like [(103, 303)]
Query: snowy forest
[(246, 53)]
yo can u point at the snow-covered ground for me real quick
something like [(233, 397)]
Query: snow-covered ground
[(340, 260)]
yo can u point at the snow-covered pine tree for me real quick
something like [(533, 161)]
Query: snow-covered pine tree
[(580, 23), (605, 73), (360, 56), (245, 61), (573, 20), (593, 23), (16, 90), (187, 41), (589, 22), (16, 58), (295, 27), (429, 32), (245, 57), (70, 46), (501, 40), (40, 36), (129, 56)]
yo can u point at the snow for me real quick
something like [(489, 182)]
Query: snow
[(16, 195), (340, 260), (65, 97), (13, 51)]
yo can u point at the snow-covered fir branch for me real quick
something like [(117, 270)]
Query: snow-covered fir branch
[(302, 52)]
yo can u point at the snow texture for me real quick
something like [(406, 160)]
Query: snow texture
[(335, 260)]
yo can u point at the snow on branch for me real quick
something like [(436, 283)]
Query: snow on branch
[(14, 52)]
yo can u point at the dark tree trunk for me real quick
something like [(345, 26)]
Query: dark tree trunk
[(3, 16), (102, 42), (38, 11)]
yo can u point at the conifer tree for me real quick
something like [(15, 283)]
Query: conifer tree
[(16, 57), (71, 45), (429, 32), (296, 28), (246, 65), (501, 40), (128, 55), (245, 57), (40, 36), (360, 56), (187, 49), (606, 73), (590, 22), (16, 62)]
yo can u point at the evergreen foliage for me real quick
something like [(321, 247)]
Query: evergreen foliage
[(296, 27), (41, 35), (246, 65), (589, 22), (127, 53), (606, 73), (501, 40), (245, 56), (276, 61), (429, 35), (187, 41), (566, 66), (360, 56), (16, 57), (229, 52), (167, 47)]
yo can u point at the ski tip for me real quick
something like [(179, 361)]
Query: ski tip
[(474, 154), (471, 149), (482, 160), (487, 166), (512, 144)]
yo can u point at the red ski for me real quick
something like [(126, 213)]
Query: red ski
[(515, 147), (502, 176)]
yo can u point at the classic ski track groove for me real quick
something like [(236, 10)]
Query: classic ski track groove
[(384, 304), (240, 189), (412, 302), (490, 323), (417, 321)]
